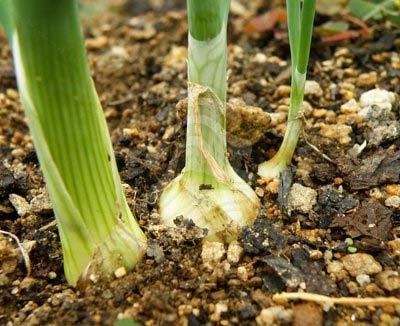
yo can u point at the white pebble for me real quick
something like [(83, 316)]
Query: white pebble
[(363, 279), (378, 97), (120, 272), (235, 252)]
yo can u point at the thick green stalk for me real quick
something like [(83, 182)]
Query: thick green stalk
[(70, 134), (208, 191), (207, 18), (300, 26), (207, 67)]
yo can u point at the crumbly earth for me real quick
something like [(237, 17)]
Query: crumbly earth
[(344, 241)]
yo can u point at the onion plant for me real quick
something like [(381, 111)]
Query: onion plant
[(208, 191), (300, 23), (97, 229)]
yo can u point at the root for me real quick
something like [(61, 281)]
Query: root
[(317, 150), (21, 248), (331, 301)]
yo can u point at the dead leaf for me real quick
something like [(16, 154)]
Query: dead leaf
[(371, 220), (265, 22), (379, 168), (340, 37)]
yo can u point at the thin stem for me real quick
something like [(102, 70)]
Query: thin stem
[(300, 25)]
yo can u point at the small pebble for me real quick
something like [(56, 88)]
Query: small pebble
[(393, 201), (272, 186), (94, 278), (388, 280), (361, 263), (235, 252), (169, 132), (379, 97), (212, 252), (242, 273), (394, 246), (20, 204), (316, 254), (350, 107), (245, 124), (283, 91), (311, 87), (260, 58), (96, 43), (120, 272), (274, 316), (339, 132), (301, 199), (393, 190), (12, 94), (367, 79), (176, 56), (220, 308), (363, 279), (151, 149), (52, 275), (307, 314), (17, 153), (41, 203), (336, 269), (376, 193), (27, 283), (259, 191), (352, 287)]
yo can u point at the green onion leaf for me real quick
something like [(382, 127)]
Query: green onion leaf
[(97, 229), (300, 25), (208, 191)]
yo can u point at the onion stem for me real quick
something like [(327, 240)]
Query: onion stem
[(208, 191), (97, 229), (300, 25)]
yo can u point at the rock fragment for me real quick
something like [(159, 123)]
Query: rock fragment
[(274, 316), (309, 314), (367, 79), (363, 279), (336, 269), (394, 246), (212, 252), (361, 263), (235, 252), (312, 88), (245, 124), (376, 110), (301, 199), (388, 280), (8, 256), (339, 132), (20, 204), (120, 272), (378, 97), (393, 201), (41, 203)]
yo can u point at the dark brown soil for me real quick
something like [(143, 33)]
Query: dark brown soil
[(138, 64)]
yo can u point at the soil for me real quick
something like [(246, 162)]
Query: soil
[(137, 58)]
